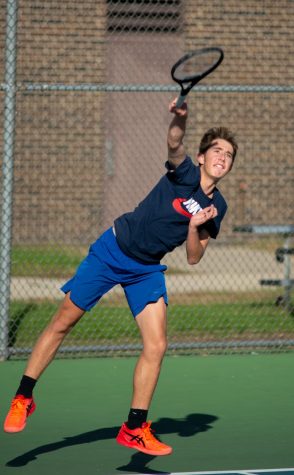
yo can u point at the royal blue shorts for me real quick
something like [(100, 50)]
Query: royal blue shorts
[(106, 266)]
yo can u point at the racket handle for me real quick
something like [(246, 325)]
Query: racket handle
[(180, 100)]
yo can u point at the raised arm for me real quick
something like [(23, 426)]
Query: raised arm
[(175, 135)]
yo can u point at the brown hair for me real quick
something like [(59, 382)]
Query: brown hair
[(217, 133)]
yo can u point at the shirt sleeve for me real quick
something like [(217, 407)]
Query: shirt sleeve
[(213, 226), (187, 173)]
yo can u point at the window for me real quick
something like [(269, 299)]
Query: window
[(146, 16)]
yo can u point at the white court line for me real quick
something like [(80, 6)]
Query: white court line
[(239, 472), (289, 471)]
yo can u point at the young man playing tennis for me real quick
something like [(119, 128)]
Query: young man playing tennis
[(185, 206)]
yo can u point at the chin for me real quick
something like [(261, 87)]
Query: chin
[(218, 176)]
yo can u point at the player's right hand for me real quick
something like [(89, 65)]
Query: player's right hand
[(179, 111)]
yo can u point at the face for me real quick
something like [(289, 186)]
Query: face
[(217, 161)]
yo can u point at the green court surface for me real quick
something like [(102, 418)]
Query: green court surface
[(232, 414)]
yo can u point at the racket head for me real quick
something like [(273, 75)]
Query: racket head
[(196, 64), (193, 67)]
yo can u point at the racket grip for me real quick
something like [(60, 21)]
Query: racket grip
[(180, 100)]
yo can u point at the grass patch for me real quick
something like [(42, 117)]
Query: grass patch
[(51, 261), (45, 261), (230, 320), (108, 324)]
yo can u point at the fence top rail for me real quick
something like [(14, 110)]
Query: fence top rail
[(265, 229), (99, 87)]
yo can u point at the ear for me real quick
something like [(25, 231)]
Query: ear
[(200, 158)]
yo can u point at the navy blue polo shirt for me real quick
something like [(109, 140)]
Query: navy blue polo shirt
[(160, 222)]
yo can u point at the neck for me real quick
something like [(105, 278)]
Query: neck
[(208, 185)]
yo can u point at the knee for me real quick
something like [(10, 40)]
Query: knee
[(162, 346), (156, 349), (59, 324), (65, 319)]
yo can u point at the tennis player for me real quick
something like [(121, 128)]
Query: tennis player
[(185, 206)]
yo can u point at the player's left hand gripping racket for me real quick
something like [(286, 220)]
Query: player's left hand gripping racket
[(193, 67)]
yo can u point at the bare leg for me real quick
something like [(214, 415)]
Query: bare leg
[(51, 338), (152, 324)]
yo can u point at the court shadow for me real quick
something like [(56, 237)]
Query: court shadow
[(186, 427)]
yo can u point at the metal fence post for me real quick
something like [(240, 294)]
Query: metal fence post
[(7, 173)]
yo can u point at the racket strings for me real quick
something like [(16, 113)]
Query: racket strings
[(196, 65)]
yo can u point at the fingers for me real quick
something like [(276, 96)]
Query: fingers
[(204, 215), (181, 111), (210, 212)]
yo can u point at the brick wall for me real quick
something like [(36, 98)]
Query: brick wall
[(65, 191), (59, 135), (257, 38)]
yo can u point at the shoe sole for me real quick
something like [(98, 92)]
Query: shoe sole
[(145, 451)]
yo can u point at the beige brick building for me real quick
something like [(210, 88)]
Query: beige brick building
[(83, 157)]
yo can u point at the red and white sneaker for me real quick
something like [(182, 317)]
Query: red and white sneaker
[(20, 409), (142, 439)]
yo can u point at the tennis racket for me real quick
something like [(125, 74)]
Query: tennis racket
[(193, 67)]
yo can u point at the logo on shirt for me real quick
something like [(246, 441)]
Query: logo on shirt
[(186, 207)]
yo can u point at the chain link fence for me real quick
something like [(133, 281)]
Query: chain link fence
[(84, 89)]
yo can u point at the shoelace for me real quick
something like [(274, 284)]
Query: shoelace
[(17, 408), (149, 433), (18, 404)]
